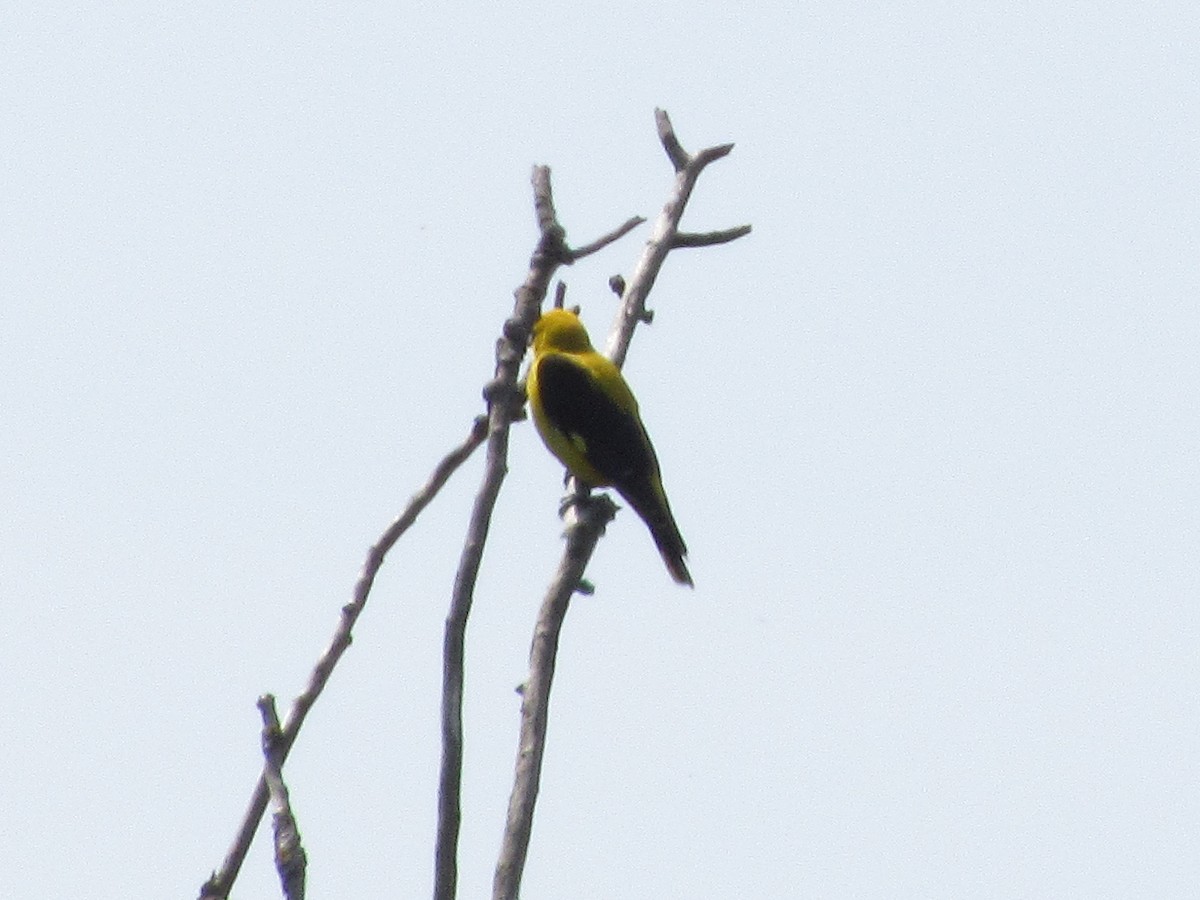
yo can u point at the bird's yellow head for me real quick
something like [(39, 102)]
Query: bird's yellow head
[(560, 329)]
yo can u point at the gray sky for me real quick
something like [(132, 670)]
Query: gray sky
[(930, 432)]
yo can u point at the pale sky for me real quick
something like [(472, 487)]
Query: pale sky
[(931, 433)]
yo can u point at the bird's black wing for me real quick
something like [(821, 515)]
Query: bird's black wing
[(614, 441)]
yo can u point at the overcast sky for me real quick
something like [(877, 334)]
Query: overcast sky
[(931, 432)]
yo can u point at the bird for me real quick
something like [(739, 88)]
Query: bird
[(588, 417)]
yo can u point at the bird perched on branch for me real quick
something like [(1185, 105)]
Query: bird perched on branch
[(588, 418)]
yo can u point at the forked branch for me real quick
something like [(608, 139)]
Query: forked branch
[(505, 402), (586, 518), (221, 882), (665, 235)]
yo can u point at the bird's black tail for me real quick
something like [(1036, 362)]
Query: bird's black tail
[(652, 506)]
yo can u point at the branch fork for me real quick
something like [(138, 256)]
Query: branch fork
[(585, 519)]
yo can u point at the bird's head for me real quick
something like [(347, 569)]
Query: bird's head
[(560, 329)]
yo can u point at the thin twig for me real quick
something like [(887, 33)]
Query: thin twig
[(709, 238), (662, 236), (505, 401), (666, 136), (290, 859), (586, 519), (602, 242), (221, 882)]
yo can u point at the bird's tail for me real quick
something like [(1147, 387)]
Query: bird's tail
[(656, 513)]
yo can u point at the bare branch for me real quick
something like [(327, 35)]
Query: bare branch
[(553, 241), (666, 135), (586, 518), (602, 242), (221, 882), (588, 515), (505, 400), (710, 154), (709, 238), (662, 236), (290, 858)]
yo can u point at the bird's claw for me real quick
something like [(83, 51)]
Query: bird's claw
[(577, 495)]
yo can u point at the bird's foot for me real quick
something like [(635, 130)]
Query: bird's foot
[(578, 495)]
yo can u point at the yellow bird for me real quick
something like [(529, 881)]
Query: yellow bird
[(588, 418)]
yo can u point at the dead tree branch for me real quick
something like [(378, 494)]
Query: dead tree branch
[(592, 514), (586, 518), (602, 242), (290, 859), (221, 882), (663, 236), (709, 238), (505, 403)]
